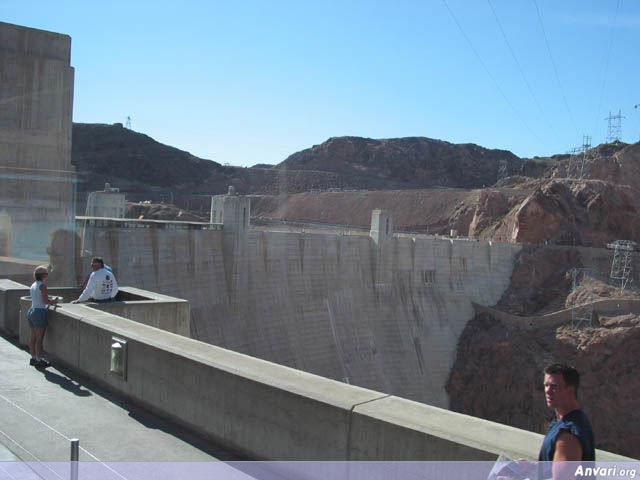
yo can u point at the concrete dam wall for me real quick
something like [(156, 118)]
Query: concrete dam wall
[(381, 311)]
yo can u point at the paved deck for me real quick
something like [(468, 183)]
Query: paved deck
[(40, 411)]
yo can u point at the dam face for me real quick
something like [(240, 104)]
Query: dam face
[(381, 311)]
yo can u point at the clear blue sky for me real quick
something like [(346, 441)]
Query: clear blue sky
[(246, 82)]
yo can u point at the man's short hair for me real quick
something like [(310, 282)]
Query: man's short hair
[(569, 374), (98, 260)]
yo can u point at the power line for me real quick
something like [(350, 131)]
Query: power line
[(515, 59), (553, 63), (486, 69), (606, 63)]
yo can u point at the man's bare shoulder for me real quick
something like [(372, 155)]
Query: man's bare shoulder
[(568, 447)]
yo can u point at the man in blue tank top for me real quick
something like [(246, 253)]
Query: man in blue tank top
[(570, 436)]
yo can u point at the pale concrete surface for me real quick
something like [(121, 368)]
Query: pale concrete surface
[(41, 410)]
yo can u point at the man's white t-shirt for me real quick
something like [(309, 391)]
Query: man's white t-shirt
[(102, 285)]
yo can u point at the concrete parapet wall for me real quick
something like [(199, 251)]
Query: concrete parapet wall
[(149, 308), (268, 411)]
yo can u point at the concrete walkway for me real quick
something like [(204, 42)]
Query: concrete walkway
[(40, 411)]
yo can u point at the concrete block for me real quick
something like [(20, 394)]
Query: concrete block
[(10, 293)]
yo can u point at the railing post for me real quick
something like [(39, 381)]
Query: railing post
[(75, 444)]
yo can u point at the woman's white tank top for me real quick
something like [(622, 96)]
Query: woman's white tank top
[(36, 296)]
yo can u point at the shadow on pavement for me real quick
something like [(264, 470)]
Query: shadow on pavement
[(66, 383)]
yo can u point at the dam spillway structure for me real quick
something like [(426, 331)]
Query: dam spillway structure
[(381, 311)]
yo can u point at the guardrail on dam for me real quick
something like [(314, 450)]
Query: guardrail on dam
[(265, 410)]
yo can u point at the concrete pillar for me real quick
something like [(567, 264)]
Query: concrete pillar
[(381, 226), (36, 97), (233, 211), (382, 234), (108, 203)]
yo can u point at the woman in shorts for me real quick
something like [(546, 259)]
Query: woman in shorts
[(37, 316)]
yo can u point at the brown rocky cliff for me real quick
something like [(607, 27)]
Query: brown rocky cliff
[(492, 205), (567, 212), (539, 280)]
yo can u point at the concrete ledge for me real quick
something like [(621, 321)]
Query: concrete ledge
[(269, 411), (399, 429)]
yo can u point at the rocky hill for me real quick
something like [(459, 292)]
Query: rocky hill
[(136, 162), (416, 161), (133, 161)]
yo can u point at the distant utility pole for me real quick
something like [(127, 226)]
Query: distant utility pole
[(586, 146), (503, 169), (614, 127), (571, 168), (128, 125), (581, 308), (622, 263), (575, 168)]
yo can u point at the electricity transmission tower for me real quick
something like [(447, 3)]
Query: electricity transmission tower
[(622, 263), (583, 312), (575, 169), (614, 127), (571, 167), (503, 169)]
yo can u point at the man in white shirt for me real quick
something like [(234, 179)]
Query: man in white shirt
[(102, 285)]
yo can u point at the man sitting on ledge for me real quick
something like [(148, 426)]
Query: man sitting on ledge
[(102, 285)]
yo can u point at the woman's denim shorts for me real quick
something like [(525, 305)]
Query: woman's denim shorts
[(37, 317)]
